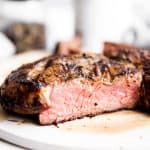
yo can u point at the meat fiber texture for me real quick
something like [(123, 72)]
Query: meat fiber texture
[(63, 88), (140, 58)]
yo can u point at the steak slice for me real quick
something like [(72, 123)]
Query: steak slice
[(126, 52), (140, 58), (145, 92), (58, 89)]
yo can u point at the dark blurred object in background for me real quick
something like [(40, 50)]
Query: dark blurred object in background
[(65, 48), (26, 36)]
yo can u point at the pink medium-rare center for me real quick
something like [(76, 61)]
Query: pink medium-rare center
[(77, 98)]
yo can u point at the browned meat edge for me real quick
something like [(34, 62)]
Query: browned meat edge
[(140, 58)]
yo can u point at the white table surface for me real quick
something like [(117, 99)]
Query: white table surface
[(8, 146)]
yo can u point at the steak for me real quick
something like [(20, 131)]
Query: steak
[(140, 58), (61, 88), (65, 48), (126, 52)]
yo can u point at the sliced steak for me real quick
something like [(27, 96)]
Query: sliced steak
[(65, 48), (126, 52), (145, 91), (140, 58), (65, 88)]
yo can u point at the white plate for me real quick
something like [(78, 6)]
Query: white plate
[(120, 130)]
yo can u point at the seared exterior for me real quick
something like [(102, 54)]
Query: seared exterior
[(20, 91), (126, 52), (145, 90), (25, 90)]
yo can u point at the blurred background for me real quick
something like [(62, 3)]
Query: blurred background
[(58, 25)]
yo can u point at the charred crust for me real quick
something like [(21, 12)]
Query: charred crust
[(31, 86), (145, 89), (12, 104), (78, 70), (70, 66), (126, 52), (36, 102)]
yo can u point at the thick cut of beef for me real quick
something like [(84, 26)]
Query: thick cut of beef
[(126, 52), (140, 58), (145, 91), (58, 89)]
